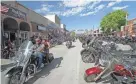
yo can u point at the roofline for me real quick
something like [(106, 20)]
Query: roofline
[(37, 13), (31, 10), (132, 19)]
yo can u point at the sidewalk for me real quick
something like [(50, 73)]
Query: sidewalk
[(5, 61), (5, 64)]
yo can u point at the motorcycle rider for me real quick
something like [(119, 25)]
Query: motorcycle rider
[(37, 48), (42, 47), (46, 44)]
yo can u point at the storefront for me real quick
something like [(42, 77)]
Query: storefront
[(10, 29), (39, 30), (134, 27), (14, 25), (24, 31)]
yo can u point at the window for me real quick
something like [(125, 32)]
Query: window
[(6, 35)]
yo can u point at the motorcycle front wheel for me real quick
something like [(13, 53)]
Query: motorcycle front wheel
[(88, 58), (15, 78)]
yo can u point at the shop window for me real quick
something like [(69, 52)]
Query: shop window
[(6, 35)]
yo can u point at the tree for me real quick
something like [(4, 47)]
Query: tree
[(113, 21), (73, 34)]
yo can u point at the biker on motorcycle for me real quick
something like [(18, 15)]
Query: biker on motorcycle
[(46, 44), (37, 47)]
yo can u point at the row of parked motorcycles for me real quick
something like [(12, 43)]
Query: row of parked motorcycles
[(111, 64)]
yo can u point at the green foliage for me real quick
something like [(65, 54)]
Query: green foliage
[(113, 21), (73, 34)]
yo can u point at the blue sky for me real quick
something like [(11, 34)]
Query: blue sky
[(81, 14)]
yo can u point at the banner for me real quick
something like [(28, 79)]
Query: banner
[(42, 28), (8, 10)]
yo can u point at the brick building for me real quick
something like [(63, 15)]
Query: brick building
[(130, 28), (19, 23)]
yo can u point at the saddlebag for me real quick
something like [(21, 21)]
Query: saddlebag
[(51, 57)]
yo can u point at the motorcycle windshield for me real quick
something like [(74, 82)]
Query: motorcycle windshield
[(24, 52)]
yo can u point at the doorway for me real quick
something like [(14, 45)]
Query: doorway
[(12, 36), (24, 31), (24, 36), (10, 28)]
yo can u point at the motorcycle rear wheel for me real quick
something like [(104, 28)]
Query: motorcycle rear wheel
[(84, 51), (89, 78)]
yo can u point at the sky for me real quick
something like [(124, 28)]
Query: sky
[(81, 14)]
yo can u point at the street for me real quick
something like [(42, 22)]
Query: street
[(66, 68), (51, 24)]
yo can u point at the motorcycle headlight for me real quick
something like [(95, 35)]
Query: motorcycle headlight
[(7, 75)]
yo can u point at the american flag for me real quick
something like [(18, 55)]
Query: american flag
[(4, 9)]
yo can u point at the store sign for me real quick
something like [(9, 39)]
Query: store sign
[(8, 10), (41, 28)]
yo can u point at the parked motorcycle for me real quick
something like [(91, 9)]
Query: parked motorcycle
[(116, 68), (7, 52), (26, 64), (89, 53), (68, 44)]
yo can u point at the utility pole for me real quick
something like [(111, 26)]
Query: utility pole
[(93, 30), (126, 26)]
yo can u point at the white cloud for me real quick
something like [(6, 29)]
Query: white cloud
[(47, 5), (80, 5), (119, 8), (98, 8), (72, 7), (113, 3), (44, 8), (89, 13), (94, 4), (73, 11), (76, 3)]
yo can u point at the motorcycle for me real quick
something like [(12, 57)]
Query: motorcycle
[(84, 45), (26, 64), (7, 52), (68, 44), (74, 40), (89, 53), (118, 70)]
